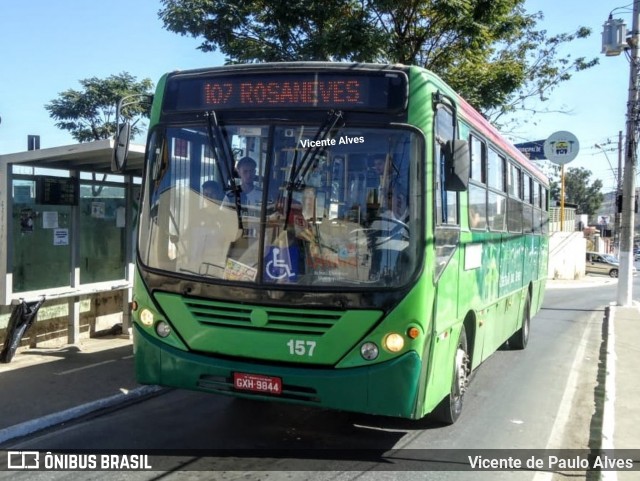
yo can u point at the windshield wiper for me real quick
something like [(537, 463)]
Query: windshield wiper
[(328, 129), (222, 151)]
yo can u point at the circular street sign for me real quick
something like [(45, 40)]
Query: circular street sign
[(561, 147)]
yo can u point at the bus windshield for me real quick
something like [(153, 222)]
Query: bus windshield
[(286, 204)]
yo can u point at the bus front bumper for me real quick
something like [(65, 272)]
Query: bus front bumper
[(388, 389)]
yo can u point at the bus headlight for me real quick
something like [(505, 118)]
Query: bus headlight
[(163, 329), (146, 317), (369, 351), (394, 342)]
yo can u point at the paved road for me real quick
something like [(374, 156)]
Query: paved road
[(544, 397)]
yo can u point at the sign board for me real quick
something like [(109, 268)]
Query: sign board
[(561, 147), (57, 190), (532, 150)]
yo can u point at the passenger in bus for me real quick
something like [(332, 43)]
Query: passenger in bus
[(307, 232), (476, 221), (250, 195), (212, 190)]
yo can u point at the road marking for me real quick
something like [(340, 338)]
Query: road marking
[(89, 366)]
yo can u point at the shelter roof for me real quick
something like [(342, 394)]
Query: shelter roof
[(88, 157)]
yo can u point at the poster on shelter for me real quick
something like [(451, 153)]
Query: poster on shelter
[(60, 237), (50, 220), (98, 210), (26, 221)]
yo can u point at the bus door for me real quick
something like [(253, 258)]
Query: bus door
[(447, 229)]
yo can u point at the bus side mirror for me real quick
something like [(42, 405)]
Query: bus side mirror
[(456, 165), (121, 148)]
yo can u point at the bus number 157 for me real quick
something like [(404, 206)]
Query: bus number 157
[(301, 347)]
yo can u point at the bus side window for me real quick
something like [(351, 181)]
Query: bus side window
[(446, 201), (447, 231)]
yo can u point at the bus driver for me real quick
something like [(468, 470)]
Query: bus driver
[(390, 234)]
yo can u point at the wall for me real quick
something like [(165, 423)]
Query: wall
[(567, 255)]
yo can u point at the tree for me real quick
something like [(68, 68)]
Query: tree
[(89, 114), (578, 190), (488, 50)]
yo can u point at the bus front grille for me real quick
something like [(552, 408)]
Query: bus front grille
[(239, 316)]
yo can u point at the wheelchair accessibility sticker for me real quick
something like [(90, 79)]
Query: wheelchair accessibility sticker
[(281, 264)]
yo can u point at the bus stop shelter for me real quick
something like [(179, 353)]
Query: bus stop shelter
[(67, 226)]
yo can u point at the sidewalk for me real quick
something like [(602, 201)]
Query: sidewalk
[(621, 416), (43, 387)]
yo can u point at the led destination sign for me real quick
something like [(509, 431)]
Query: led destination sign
[(380, 91), (309, 93)]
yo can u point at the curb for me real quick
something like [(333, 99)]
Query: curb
[(608, 414), (579, 283), (34, 425)]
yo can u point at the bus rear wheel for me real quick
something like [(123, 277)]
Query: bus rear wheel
[(450, 408), (520, 338)]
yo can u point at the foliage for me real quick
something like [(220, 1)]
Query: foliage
[(579, 190), (89, 114), (488, 50)]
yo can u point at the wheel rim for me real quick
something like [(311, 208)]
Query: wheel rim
[(462, 375)]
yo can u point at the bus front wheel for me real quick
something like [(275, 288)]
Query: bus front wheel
[(450, 408)]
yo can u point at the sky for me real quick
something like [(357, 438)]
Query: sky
[(48, 46)]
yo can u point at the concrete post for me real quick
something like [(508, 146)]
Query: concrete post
[(624, 297)]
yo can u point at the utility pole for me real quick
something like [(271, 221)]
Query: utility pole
[(619, 192), (628, 187)]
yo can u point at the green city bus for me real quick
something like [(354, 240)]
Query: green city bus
[(347, 236)]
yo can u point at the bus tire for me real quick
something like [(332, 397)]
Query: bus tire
[(450, 408), (520, 338)]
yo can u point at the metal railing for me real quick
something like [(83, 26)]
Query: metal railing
[(569, 224)]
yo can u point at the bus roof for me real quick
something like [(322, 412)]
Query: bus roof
[(485, 127), (278, 66)]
